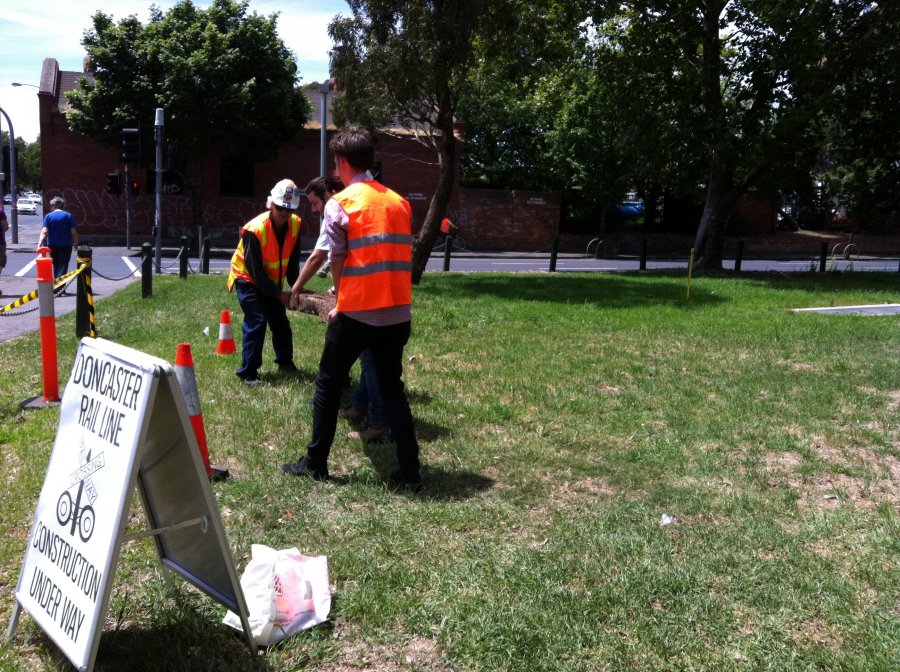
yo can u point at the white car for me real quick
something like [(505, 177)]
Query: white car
[(26, 206)]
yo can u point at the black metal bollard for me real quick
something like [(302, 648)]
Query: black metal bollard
[(85, 324), (738, 255), (147, 271), (554, 252), (643, 264), (204, 257), (183, 258), (448, 248), (823, 258)]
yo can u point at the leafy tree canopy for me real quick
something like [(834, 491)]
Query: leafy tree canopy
[(404, 62), (225, 79)]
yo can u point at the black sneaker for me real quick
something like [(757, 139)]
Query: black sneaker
[(302, 468), (411, 483), (248, 377), (290, 367)]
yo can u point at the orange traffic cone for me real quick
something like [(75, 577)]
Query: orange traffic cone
[(184, 372), (226, 336)]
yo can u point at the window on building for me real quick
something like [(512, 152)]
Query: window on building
[(235, 177)]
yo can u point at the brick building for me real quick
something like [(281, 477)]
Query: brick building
[(76, 167)]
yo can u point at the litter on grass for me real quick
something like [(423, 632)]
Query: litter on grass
[(874, 309)]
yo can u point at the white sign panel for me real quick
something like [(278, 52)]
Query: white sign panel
[(72, 550)]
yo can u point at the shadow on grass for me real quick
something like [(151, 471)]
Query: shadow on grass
[(620, 290), (826, 282), (300, 376), (187, 643), (440, 484)]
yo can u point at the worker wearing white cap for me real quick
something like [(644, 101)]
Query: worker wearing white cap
[(265, 264)]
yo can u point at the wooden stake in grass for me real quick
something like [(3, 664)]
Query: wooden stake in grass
[(690, 269)]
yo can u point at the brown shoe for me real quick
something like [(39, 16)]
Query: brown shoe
[(369, 434), (353, 414)]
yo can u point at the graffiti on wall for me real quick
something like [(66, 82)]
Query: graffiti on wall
[(98, 212)]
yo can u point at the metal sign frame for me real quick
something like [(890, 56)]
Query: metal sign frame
[(123, 425)]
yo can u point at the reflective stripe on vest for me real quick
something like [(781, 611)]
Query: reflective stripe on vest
[(377, 269), (274, 260)]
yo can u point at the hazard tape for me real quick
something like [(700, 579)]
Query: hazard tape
[(31, 296)]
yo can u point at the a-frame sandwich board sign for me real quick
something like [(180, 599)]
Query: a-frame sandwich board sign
[(123, 424)]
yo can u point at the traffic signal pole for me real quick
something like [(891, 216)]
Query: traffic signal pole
[(131, 156), (127, 207)]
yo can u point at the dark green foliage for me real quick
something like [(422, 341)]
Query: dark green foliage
[(225, 79)]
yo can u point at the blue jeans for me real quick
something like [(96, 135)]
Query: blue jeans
[(345, 339), (261, 310), (61, 255), (368, 396)]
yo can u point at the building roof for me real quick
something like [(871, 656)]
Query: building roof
[(59, 82)]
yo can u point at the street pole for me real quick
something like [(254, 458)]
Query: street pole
[(323, 135), (13, 215), (127, 194), (158, 136)]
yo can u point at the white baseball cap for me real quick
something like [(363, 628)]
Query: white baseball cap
[(285, 194)]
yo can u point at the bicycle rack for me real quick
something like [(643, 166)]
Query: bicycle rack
[(845, 252), (602, 248)]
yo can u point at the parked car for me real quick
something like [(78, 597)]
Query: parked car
[(26, 206), (8, 199)]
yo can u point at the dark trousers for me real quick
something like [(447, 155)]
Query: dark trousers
[(61, 255), (345, 339), (259, 311)]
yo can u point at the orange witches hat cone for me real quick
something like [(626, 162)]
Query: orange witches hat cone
[(184, 372), (226, 336)]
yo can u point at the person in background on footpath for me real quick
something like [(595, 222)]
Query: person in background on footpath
[(366, 401), (369, 230), (448, 228), (60, 234), (267, 256), (4, 227)]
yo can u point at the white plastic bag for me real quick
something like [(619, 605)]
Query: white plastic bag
[(286, 592)]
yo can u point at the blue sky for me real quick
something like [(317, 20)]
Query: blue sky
[(31, 32)]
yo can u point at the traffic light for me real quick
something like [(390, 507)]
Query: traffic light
[(135, 187), (113, 183), (131, 146)]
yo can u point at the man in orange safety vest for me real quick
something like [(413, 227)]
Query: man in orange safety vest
[(369, 230), (267, 257)]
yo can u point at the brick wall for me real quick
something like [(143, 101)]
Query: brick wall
[(493, 219), (755, 214), (75, 168)]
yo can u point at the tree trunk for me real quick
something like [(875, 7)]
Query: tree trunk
[(437, 209), (721, 195), (651, 202), (314, 303)]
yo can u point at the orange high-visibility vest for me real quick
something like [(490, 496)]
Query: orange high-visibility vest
[(275, 260), (378, 267)]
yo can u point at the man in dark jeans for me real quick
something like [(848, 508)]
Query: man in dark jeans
[(369, 230), (266, 259)]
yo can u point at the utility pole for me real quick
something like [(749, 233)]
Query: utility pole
[(158, 137), (13, 187), (323, 136)]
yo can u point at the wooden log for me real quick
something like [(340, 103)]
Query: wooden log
[(314, 303)]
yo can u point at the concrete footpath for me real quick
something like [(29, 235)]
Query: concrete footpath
[(26, 319)]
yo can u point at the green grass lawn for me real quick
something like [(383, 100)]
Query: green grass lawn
[(560, 416)]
